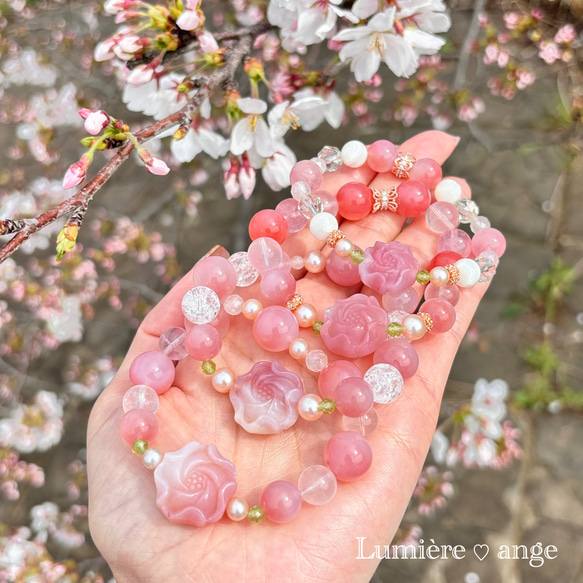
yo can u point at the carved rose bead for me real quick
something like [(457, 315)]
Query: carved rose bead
[(388, 267), (194, 484), (355, 326), (265, 399)]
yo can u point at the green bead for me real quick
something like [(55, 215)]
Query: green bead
[(317, 326), (327, 406), (256, 514), (208, 367), (394, 329), (357, 256), (140, 446), (423, 277)]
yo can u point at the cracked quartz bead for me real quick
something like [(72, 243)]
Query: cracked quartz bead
[(386, 382), (200, 305), (246, 274), (331, 156), (468, 210)]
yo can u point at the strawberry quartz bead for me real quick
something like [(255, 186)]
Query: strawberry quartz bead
[(268, 223), (413, 198), (455, 240), (442, 313), (488, 239), (427, 171), (400, 353), (354, 201), (444, 258), (138, 423), (277, 286), (217, 273), (449, 292), (381, 156), (308, 172), (354, 397), (274, 328), (333, 374), (342, 270), (281, 501), (203, 342), (348, 455), (154, 369)]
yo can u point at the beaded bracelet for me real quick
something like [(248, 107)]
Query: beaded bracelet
[(196, 485)]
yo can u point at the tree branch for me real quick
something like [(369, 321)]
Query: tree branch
[(234, 57)]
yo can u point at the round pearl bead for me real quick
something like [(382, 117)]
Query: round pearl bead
[(251, 309), (322, 224), (237, 509), (469, 272), (344, 247), (439, 276), (306, 315), (223, 380), (354, 154), (152, 458), (413, 327), (448, 190), (308, 407), (315, 262), (299, 348)]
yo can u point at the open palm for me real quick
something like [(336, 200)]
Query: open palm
[(320, 544)]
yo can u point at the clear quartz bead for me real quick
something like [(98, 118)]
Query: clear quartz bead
[(316, 360), (479, 223), (300, 189), (386, 382), (297, 262), (310, 205), (246, 274), (320, 163), (171, 343), (365, 425), (140, 397), (317, 484), (487, 268), (397, 316), (233, 304), (467, 209), (200, 305), (331, 156)]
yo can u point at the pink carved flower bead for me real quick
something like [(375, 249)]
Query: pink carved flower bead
[(266, 398), (194, 484), (388, 267), (153, 368), (355, 326)]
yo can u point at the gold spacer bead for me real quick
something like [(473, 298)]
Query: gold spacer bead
[(454, 274), (403, 164), (256, 514), (294, 303), (427, 319), (140, 446), (334, 237)]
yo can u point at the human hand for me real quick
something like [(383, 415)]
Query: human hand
[(320, 544)]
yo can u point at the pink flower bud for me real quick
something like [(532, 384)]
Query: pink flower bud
[(104, 50), (232, 186), (84, 112), (140, 75), (247, 181), (207, 42), (96, 121), (76, 172), (188, 20), (153, 165)]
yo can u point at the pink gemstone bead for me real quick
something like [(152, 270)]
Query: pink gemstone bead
[(288, 208), (414, 198), (354, 201), (222, 322), (274, 328), (449, 292), (381, 155), (138, 423), (442, 216), (455, 240), (281, 501), (334, 374), (491, 239), (277, 286), (427, 171), (265, 254), (203, 342), (442, 312), (318, 485), (154, 369), (348, 455), (406, 301), (354, 397), (342, 270), (308, 172), (400, 353), (217, 273), (268, 223)]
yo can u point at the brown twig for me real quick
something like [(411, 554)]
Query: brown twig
[(27, 227)]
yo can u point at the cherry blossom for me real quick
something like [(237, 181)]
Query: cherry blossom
[(252, 132)]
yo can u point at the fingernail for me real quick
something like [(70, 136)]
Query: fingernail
[(216, 251)]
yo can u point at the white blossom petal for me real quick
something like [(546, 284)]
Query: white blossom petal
[(252, 106), (399, 56), (365, 8), (186, 149), (423, 43), (384, 21), (241, 137), (264, 143), (212, 143)]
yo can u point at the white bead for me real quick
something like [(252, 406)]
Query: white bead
[(439, 276), (152, 458), (448, 190), (469, 272), (299, 348), (344, 247), (322, 224), (354, 154), (237, 509)]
